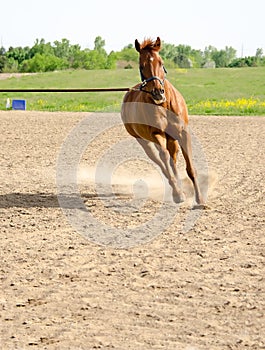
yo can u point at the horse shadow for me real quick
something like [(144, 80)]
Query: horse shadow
[(44, 200)]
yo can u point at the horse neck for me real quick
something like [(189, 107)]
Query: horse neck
[(175, 101)]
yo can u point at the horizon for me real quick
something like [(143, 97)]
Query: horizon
[(110, 50)]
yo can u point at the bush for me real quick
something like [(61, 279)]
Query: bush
[(43, 63), (10, 66)]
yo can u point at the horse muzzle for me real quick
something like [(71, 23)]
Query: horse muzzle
[(157, 93), (158, 96)]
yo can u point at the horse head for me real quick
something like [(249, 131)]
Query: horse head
[(152, 69)]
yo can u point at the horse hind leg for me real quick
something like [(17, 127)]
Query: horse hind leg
[(185, 144)]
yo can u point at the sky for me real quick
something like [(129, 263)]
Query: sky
[(198, 23)]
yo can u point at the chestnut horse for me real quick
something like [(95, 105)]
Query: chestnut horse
[(155, 113)]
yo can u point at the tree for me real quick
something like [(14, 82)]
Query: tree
[(128, 53), (182, 55), (95, 60), (111, 61), (99, 44), (41, 47), (168, 51), (259, 53), (208, 53), (197, 58), (73, 54), (230, 54), (219, 58), (182, 61), (2, 58), (11, 65), (61, 49), (260, 58), (44, 57), (78, 59), (19, 54), (222, 58)]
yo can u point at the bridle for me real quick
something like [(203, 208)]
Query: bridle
[(146, 81)]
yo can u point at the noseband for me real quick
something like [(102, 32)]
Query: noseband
[(145, 81)]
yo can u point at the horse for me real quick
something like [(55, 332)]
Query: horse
[(155, 113)]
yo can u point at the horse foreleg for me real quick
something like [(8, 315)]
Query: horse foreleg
[(152, 153), (173, 148), (185, 144), (170, 166)]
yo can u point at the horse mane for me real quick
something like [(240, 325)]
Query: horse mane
[(149, 44)]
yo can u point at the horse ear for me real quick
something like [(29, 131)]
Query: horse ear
[(158, 44), (137, 45)]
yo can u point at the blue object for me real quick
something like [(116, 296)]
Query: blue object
[(19, 105)]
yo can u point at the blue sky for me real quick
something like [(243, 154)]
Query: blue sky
[(236, 23)]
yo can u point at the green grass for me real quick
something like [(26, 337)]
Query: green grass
[(238, 91)]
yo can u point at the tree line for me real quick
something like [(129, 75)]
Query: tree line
[(44, 57)]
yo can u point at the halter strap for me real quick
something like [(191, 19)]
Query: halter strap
[(152, 78), (145, 81)]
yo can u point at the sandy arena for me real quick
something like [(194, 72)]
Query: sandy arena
[(203, 289)]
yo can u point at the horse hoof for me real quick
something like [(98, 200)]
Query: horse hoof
[(201, 206), (179, 198)]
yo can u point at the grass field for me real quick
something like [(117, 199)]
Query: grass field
[(239, 91)]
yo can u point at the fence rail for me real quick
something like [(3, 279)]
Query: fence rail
[(66, 90)]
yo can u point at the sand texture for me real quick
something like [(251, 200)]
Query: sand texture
[(201, 287)]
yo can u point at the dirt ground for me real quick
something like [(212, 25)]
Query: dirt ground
[(199, 289), (4, 76)]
